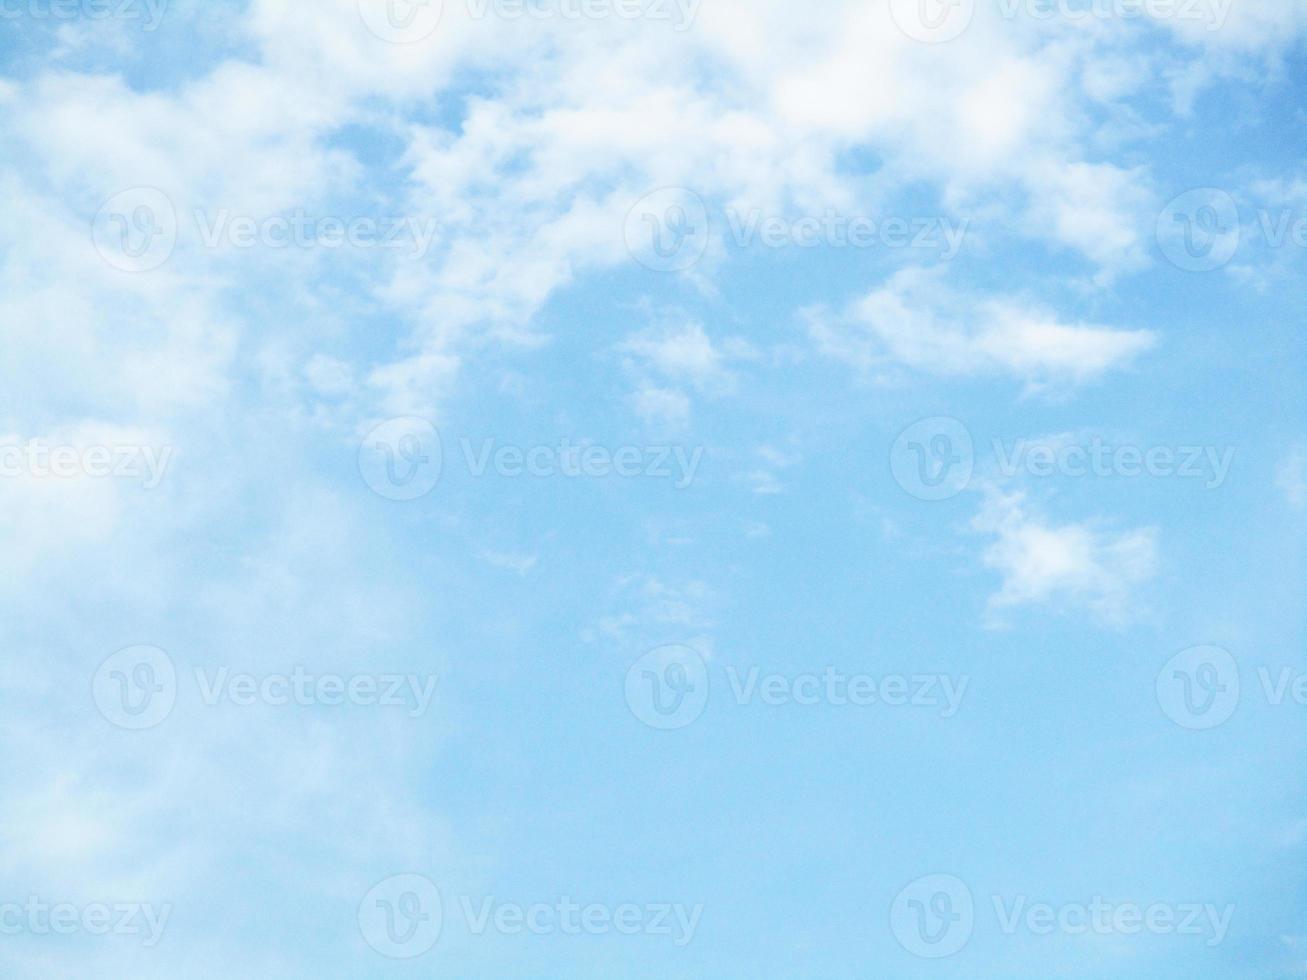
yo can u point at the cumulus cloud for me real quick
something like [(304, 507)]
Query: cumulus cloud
[(916, 321), (1075, 565), (756, 105)]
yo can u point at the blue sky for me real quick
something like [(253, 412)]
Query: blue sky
[(824, 494)]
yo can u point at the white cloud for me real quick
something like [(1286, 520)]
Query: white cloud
[(1101, 210), (662, 408), (765, 479), (654, 612), (673, 359), (518, 564), (916, 321), (1291, 477), (682, 353), (1064, 565), (755, 106)]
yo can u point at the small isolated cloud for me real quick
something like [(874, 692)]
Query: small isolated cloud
[(1291, 477), (1099, 210), (650, 611), (329, 377), (673, 360), (415, 386), (1071, 565), (519, 564), (765, 478), (916, 321), (662, 408), (683, 353)]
